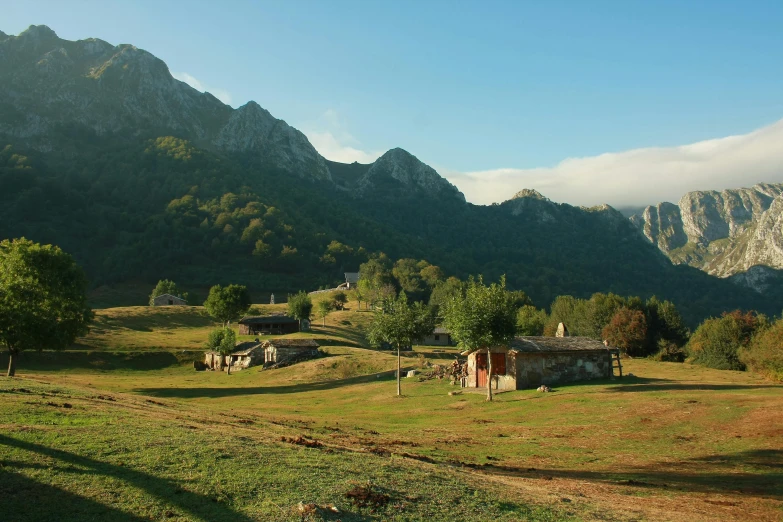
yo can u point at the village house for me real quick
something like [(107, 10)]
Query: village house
[(268, 325), (351, 280), (245, 355), (439, 337), (168, 300), (285, 350), (529, 362)]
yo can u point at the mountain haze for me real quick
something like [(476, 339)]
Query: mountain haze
[(142, 177)]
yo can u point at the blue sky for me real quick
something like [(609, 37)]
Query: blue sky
[(479, 90)]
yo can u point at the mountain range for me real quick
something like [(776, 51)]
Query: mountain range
[(142, 177)]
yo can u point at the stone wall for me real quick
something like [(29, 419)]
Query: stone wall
[(535, 369)]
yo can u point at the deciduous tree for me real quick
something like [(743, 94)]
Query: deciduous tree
[(300, 307), (42, 298), (399, 324), (226, 304), (481, 318)]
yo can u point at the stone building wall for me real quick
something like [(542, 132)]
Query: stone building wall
[(535, 369)]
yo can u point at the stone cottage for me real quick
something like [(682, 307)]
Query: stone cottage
[(245, 355), (168, 300), (439, 337), (284, 350), (268, 324), (529, 362)]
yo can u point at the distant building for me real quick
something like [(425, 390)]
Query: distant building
[(168, 300), (439, 337), (351, 280), (529, 362), (268, 325), (289, 350)]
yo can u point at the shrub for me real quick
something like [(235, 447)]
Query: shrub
[(668, 351), (764, 354), (718, 341)]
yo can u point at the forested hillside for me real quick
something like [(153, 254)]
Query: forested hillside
[(205, 194)]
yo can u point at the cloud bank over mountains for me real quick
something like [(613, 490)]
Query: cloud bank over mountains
[(635, 177), (639, 176)]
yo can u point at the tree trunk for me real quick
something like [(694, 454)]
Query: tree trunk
[(399, 387), (324, 325), (11, 364), (489, 375)]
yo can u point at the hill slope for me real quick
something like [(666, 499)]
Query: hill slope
[(141, 177)]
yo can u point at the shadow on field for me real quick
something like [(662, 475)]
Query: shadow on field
[(710, 474), (27, 500), (189, 393), (167, 491), (97, 360)]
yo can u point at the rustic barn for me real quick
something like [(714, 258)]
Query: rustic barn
[(529, 362), (268, 324), (439, 337), (245, 355), (168, 300), (283, 350)]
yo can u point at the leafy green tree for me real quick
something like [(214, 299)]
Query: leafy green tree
[(444, 291), (628, 331), (482, 318), (42, 298), (408, 276), (431, 274), (300, 307), (400, 324), (324, 308), (226, 304), (339, 300), (531, 321), (166, 286)]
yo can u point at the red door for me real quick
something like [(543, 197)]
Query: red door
[(481, 370)]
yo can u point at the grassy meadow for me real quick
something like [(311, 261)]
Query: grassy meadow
[(122, 428)]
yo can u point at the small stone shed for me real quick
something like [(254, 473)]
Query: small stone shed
[(268, 324), (283, 350), (529, 362), (168, 300), (439, 337), (245, 355)]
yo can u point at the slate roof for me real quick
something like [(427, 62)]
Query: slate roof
[(440, 330), (352, 277), (556, 344), (268, 319), (245, 348), (293, 343)]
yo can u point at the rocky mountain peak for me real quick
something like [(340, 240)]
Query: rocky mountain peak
[(38, 33), (252, 128), (530, 193), (400, 167)]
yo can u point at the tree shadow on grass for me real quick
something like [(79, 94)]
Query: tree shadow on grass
[(709, 474), (26, 500), (94, 360), (167, 491), (213, 393)]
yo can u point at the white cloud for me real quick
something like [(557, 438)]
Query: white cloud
[(221, 94), (639, 176), (333, 142)]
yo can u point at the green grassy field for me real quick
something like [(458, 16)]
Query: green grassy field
[(144, 436)]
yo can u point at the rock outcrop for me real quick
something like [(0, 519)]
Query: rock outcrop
[(723, 233), (403, 171)]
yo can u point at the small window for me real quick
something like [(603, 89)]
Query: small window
[(171, 301), (437, 337)]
